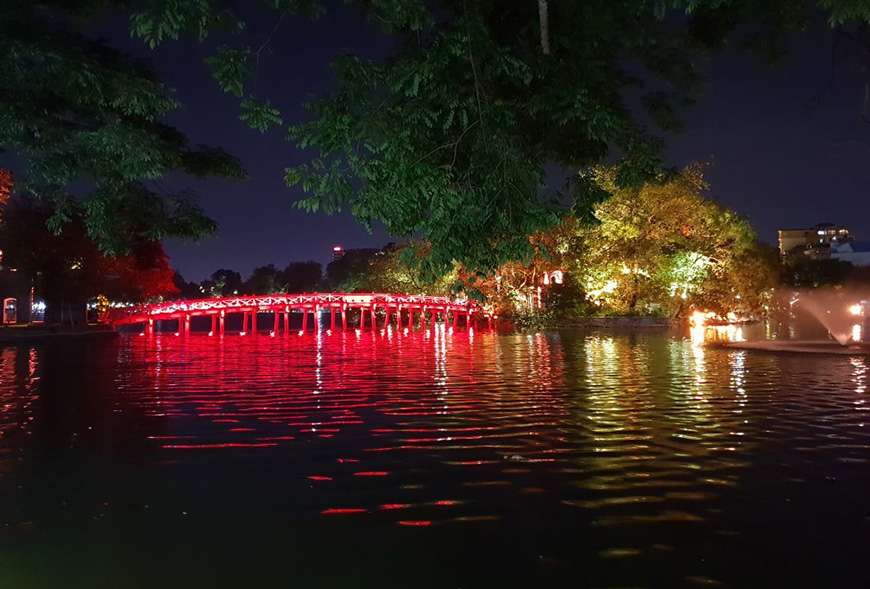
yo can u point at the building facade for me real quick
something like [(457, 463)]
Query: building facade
[(816, 242)]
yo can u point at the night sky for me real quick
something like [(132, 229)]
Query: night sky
[(787, 147)]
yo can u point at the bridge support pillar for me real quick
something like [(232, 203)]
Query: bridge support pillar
[(455, 320), (317, 318), (275, 325), (244, 324), (149, 327), (332, 318), (304, 318), (221, 324), (344, 316), (410, 319), (372, 311), (186, 325), (287, 320), (253, 323), (213, 324)]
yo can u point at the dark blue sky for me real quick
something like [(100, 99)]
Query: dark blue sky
[(775, 158)]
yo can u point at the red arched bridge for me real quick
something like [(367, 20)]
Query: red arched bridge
[(361, 310)]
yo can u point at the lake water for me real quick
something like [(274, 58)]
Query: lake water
[(564, 459)]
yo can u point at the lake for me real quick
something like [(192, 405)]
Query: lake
[(380, 459)]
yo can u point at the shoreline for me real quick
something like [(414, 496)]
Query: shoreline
[(14, 335), (631, 322)]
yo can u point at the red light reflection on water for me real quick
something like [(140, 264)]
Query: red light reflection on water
[(343, 511)]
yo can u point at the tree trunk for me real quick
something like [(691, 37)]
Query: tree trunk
[(634, 287), (543, 15)]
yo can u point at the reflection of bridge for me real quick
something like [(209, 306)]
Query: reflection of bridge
[(383, 308)]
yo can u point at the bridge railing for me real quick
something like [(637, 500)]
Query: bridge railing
[(286, 303)]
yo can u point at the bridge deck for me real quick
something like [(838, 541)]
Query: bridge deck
[(464, 312)]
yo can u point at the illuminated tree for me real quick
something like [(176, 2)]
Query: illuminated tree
[(6, 183), (142, 275), (68, 269), (664, 248)]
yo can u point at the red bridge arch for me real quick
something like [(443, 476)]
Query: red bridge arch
[(402, 309)]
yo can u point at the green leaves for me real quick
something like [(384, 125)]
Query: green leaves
[(169, 19), (229, 66), (844, 11), (84, 120), (258, 115)]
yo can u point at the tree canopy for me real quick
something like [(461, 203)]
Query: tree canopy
[(661, 249), (85, 121), (449, 140), (69, 269)]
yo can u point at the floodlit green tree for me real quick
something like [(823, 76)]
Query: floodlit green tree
[(662, 249), (665, 248), (85, 121)]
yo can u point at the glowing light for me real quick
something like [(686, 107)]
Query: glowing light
[(856, 332), (342, 511), (210, 333), (698, 318), (596, 295), (243, 333), (856, 309), (394, 506), (698, 323)]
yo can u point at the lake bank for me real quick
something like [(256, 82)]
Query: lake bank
[(31, 333)]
